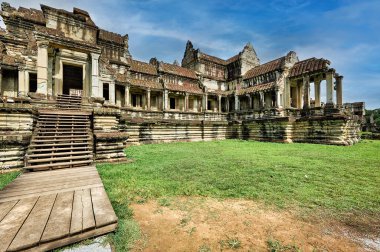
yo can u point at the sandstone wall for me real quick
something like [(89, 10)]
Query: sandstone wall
[(16, 127), (171, 131)]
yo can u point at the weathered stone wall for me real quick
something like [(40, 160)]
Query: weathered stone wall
[(175, 130), (109, 135), (16, 126)]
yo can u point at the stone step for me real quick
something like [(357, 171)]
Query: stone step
[(55, 159), (57, 165), (77, 149), (61, 140), (54, 154), (63, 119), (65, 136), (63, 112), (59, 144)]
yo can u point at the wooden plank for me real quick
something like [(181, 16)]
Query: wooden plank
[(77, 213), (30, 233), (62, 186), (73, 239), (88, 211), (49, 192), (6, 207), (58, 225), (12, 222), (103, 211)]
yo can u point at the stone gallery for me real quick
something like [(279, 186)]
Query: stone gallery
[(71, 93)]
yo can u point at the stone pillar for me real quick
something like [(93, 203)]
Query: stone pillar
[(317, 92), (42, 67), (186, 102), (205, 102), (22, 87), (329, 88), (287, 93), (237, 108), (126, 97), (300, 95), (262, 102), (148, 99), (112, 92), (220, 103), (339, 87), (1, 82), (165, 100), (278, 98), (306, 92), (95, 75), (50, 75)]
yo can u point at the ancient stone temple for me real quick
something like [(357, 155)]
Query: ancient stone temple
[(72, 93)]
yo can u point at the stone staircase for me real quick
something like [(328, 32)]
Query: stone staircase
[(61, 139), (69, 102)]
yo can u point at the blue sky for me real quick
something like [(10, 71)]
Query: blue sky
[(345, 32)]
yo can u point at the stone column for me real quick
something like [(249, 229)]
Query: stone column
[(317, 92), (112, 92), (278, 100), (165, 100), (300, 95), (187, 102), (148, 99), (22, 87), (287, 93), (50, 75), (126, 97), (237, 108), (329, 88), (42, 67), (95, 75), (1, 82), (262, 102), (306, 92), (220, 103), (205, 102), (339, 87)]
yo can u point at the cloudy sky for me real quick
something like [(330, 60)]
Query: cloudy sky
[(345, 32)]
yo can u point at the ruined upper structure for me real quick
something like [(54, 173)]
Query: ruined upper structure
[(53, 51)]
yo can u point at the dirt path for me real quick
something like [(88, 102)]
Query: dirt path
[(204, 224)]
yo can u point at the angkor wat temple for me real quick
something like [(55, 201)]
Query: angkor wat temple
[(72, 93)]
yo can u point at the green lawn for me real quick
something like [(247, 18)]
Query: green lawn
[(6, 178), (314, 177)]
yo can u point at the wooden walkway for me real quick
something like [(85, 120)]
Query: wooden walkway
[(40, 211)]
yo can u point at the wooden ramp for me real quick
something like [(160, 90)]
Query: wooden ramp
[(40, 211)]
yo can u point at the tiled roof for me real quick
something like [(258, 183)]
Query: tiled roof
[(220, 92), (111, 36), (177, 70), (212, 58), (142, 67), (218, 78), (264, 68), (233, 59), (122, 78), (256, 88), (189, 87), (309, 66)]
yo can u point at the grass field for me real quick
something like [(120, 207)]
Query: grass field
[(332, 179), (6, 178)]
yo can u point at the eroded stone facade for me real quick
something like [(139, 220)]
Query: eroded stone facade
[(49, 52)]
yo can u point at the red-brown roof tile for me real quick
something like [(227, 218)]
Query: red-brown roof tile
[(142, 67), (309, 66), (188, 87), (122, 78), (233, 59), (177, 70), (256, 88), (264, 68), (212, 59)]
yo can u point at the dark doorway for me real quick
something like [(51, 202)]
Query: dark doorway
[(106, 91), (72, 80), (172, 103), (32, 82)]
